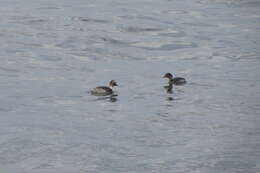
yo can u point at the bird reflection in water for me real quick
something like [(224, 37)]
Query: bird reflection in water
[(110, 98), (168, 89)]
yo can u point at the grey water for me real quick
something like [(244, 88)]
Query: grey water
[(53, 52)]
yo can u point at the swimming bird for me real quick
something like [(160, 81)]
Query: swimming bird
[(104, 90), (174, 80)]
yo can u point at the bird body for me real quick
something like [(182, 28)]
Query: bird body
[(101, 90), (177, 81)]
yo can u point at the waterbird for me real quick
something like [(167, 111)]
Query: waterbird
[(175, 80), (104, 90)]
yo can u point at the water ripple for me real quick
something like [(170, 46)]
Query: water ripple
[(164, 46), (90, 20)]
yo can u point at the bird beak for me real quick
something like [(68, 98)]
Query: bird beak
[(115, 84)]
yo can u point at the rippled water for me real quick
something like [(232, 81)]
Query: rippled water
[(54, 52)]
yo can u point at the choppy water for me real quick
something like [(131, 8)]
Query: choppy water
[(54, 52)]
